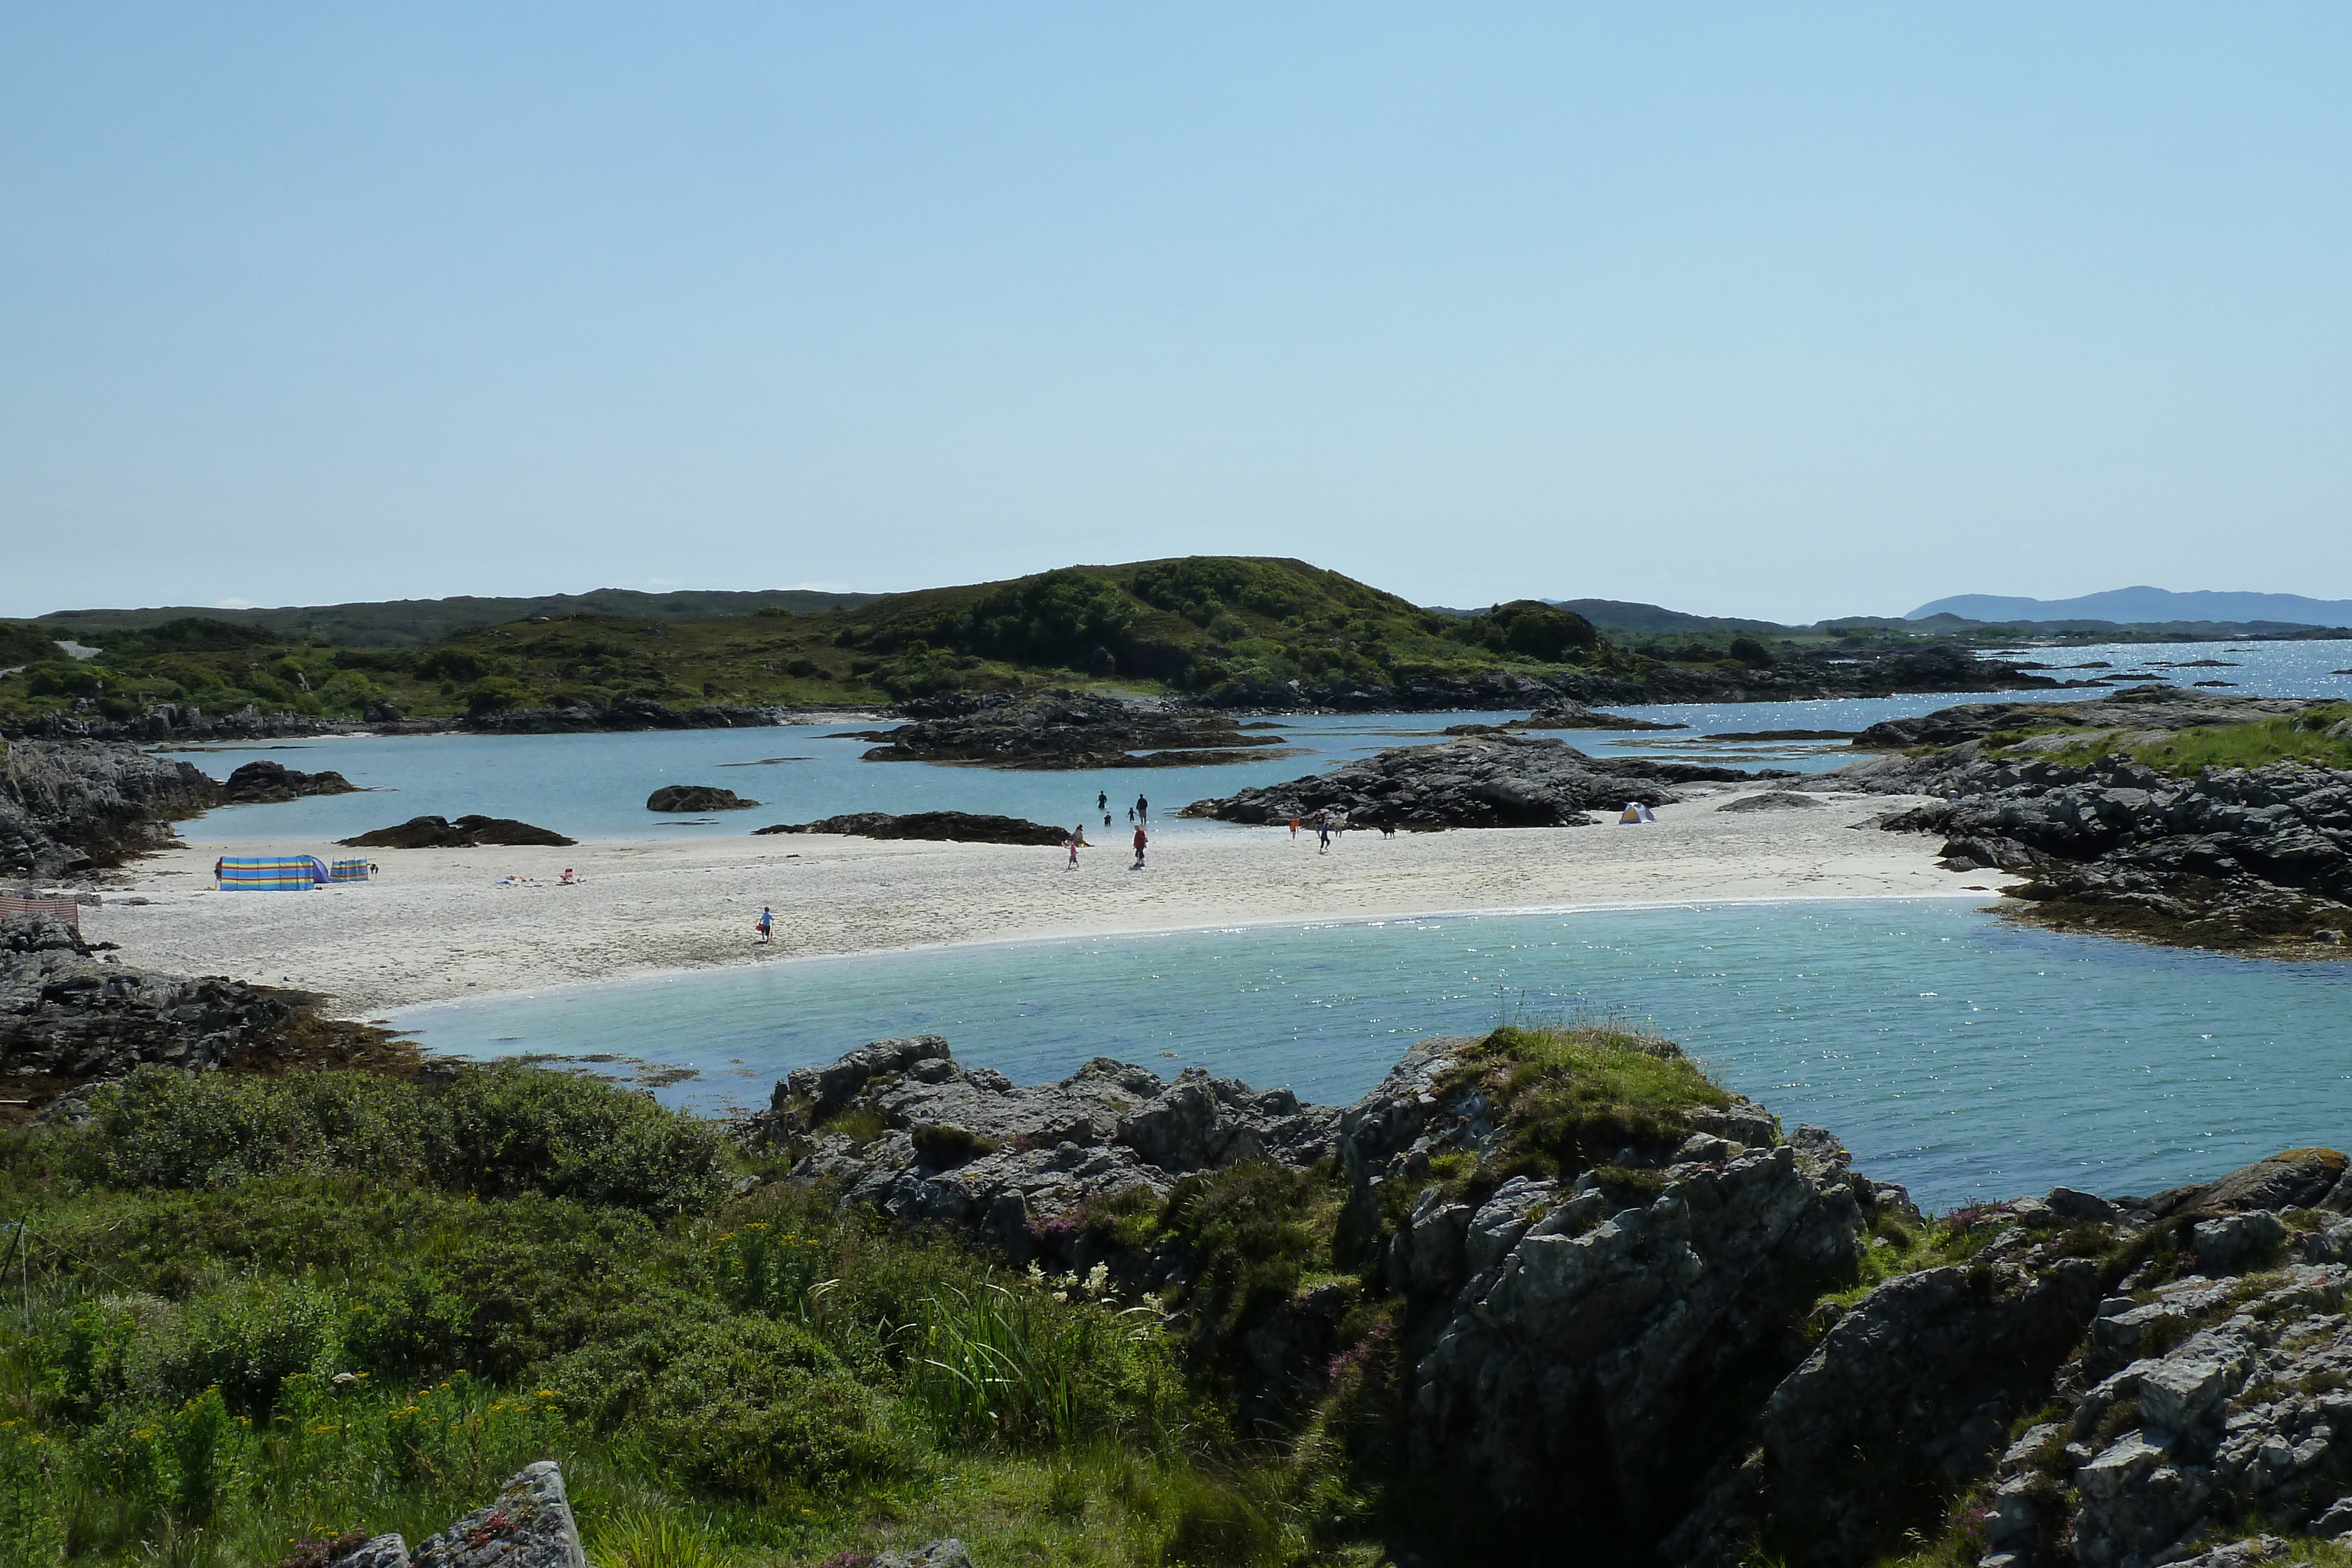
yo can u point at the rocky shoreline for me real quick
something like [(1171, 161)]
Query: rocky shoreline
[(1806, 678), (1671, 1330), (73, 1020), (2250, 860), (67, 810)]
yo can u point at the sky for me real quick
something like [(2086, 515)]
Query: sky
[(1785, 311)]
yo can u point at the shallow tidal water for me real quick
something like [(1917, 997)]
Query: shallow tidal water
[(594, 786), (1954, 1052)]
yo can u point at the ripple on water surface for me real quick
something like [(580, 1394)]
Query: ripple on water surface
[(1954, 1052)]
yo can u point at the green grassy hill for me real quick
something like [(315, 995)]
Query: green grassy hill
[(1185, 624)]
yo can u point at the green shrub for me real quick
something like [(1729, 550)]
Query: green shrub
[(507, 1130), (248, 1338)]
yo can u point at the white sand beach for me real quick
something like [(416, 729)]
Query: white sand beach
[(436, 928)]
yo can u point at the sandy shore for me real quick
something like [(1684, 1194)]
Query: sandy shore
[(435, 927)]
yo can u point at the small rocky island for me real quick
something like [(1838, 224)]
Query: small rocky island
[(1063, 729), (1490, 781), (696, 798)]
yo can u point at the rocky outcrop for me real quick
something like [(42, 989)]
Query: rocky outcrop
[(69, 1013), (1021, 1167), (696, 798), (1066, 729), (466, 832), (262, 782), (70, 808), (2254, 859), (1640, 1327), (1475, 781), (956, 827), (2160, 709)]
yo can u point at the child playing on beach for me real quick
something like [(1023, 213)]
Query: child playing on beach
[(1077, 842), (1138, 848), (767, 925)]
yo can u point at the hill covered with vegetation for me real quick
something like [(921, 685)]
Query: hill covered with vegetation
[(1185, 625)]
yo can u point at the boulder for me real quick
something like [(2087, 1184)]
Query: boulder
[(696, 798)]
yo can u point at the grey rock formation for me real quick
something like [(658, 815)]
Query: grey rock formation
[(1473, 781), (527, 1525), (2233, 858), (947, 1553), (69, 809), (66, 1013), (1020, 1167)]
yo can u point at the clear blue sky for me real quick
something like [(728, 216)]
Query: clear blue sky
[(1783, 311)]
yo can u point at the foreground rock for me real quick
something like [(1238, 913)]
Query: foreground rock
[(466, 832), (1633, 1326), (2256, 860), (696, 798), (71, 809), (959, 827), (1475, 781), (1065, 729)]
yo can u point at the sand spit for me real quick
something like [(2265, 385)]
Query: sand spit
[(438, 927)]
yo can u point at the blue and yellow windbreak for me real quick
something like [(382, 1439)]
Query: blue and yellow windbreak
[(271, 873)]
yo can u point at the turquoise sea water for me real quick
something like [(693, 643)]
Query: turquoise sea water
[(594, 786), (1953, 1053)]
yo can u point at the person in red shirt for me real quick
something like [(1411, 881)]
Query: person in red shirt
[(1138, 848)]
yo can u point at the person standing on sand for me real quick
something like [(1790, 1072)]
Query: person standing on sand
[(1077, 841), (216, 867), (1138, 848), (767, 925), (1294, 829), (1322, 834)]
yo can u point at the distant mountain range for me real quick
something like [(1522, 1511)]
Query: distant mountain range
[(2138, 606)]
